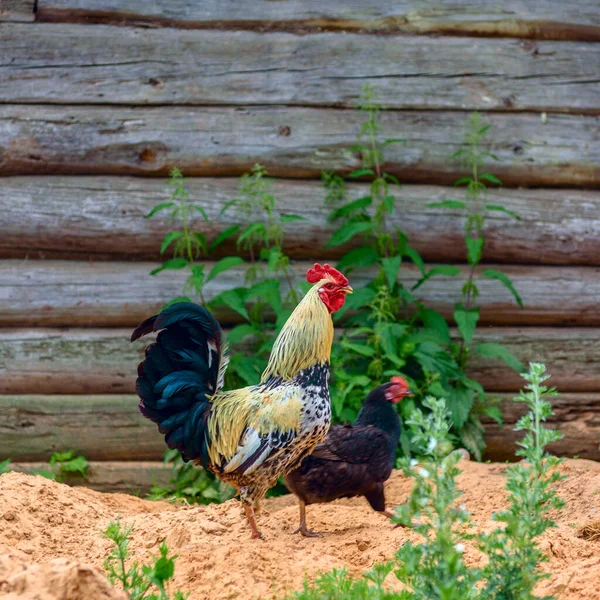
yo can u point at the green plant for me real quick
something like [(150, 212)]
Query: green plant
[(186, 245), (68, 463), (433, 569), (190, 483), (512, 571), (147, 582), (5, 466), (476, 209), (389, 329), (268, 268)]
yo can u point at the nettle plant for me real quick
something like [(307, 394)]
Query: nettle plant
[(387, 328)]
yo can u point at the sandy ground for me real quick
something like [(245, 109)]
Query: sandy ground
[(51, 547)]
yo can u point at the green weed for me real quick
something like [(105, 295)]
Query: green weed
[(145, 582)]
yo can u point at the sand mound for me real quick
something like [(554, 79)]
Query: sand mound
[(58, 579), (41, 520)]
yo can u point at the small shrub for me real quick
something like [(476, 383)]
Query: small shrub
[(433, 569), (190, 484), (145, 582)]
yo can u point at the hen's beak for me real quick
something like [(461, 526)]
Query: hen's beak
[(347, 290)]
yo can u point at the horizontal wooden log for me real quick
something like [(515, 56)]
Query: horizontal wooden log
[(69, 293), (103, 361), (77, 64), (546, 19), (53, 419), (125, 477), (290, 142), (17, 10), (99, 427), (102, 218), (576, 415)]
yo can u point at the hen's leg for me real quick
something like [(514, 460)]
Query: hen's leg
[(376, 499), (303, 529)]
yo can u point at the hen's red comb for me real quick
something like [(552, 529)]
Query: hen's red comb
[(319, 272)]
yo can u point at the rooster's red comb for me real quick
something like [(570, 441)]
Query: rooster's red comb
[(319, 272)]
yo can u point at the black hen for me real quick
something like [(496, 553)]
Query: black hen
[(354, 460)]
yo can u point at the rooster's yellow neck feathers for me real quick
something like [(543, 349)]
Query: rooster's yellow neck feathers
[(305, 339)]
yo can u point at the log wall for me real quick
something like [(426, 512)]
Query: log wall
[(99, 100)]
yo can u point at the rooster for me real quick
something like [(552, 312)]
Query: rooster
[(354, 460), (251, 436)]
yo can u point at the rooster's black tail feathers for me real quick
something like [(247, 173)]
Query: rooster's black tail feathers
[(182, 369)]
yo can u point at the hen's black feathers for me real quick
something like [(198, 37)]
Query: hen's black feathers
[(354, 460), (181, 371)]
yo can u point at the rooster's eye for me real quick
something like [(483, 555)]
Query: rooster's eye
[(329, 286)]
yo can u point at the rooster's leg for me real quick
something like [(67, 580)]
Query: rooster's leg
[(303, 529), (256, 534)]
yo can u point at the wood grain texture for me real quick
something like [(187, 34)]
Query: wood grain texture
[(99, 427), (125, 477), (541, 19), (290, 142), (36, 426), (576, 415), (77, 64), (103, 361), (104, 294), (102, 218), (16, 11)]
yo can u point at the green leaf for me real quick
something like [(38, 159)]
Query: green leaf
[(466, 321), (392, 178), (493, 350), (227, 233), (393, 141), (158, 208), (291, 218), (504, 280), (474, 249), (268, 290), (233, 300), (491, 178), (463, 180), (361, 173), (391, 266), (347, 232), (223, 265), (448, 204), (228, 205), (201, 211), (362, 297), (416, 258), (432, 319), (494, 412), (239, 332), (251, 229), (172, 264), (350, 207), (359, 348), (446, 270), (358, 258), (484, 129), (498, 208), (388, 203), (169, 239), (459, 403)]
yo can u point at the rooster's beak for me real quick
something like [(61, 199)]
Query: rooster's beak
[(347, 290)]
